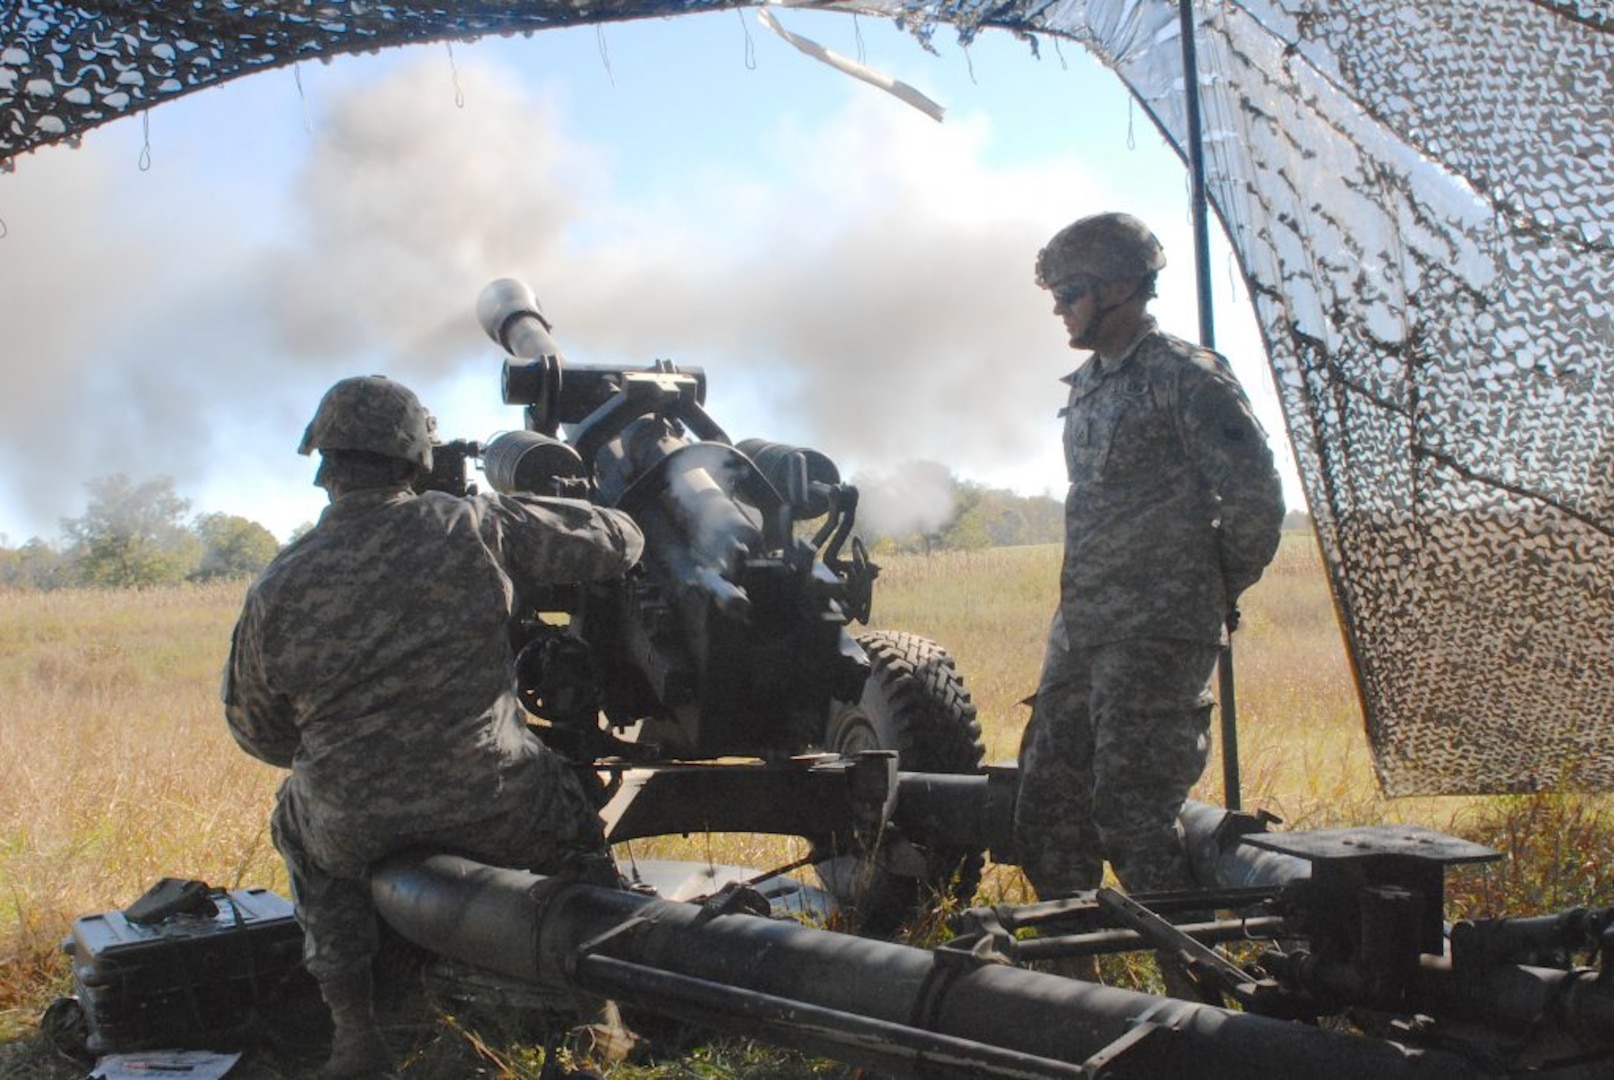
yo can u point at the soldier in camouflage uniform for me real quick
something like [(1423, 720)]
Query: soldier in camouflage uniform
[(1174, 509), (372, 659)]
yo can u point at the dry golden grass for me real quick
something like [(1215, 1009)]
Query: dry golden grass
[(116, 768), (1303, 754), (1302, 749)]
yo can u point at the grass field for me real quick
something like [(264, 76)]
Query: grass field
[(116, 769)]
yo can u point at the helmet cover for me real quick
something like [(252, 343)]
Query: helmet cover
[(1109, 247), (374, 414)]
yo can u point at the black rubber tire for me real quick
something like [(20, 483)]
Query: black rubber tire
[(915, 703)]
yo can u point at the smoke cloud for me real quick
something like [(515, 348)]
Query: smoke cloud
[(915, 497), (867, 293)]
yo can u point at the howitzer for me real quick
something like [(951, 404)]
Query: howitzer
[(732, 638)]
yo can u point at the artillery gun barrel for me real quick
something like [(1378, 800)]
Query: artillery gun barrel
[(904, 1011), (509, 312)]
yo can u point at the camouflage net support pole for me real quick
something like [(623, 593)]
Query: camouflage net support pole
[(1231, 785)]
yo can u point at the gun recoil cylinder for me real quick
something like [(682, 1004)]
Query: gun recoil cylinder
[(802, 476), (529, 462)]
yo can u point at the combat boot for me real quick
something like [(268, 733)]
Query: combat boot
[(357, 1049)]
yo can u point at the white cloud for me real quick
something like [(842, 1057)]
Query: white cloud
[(881, 284), (860, 282)]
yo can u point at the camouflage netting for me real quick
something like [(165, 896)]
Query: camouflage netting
[(1422, 199)]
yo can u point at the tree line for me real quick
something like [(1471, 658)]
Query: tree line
[(920, 506), (139, 534), (136, 535)]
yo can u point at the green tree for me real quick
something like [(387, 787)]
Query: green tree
[(35, 565), (1007, 526), (1045, 520), (232, 547), (970, 527), (130, 535), (922, 506), (907, 508)]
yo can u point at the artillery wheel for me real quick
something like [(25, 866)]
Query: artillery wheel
[(915, 703)]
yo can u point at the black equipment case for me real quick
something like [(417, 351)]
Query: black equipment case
[(198, 978)]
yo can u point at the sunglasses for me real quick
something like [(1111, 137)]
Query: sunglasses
[(1070, 295)]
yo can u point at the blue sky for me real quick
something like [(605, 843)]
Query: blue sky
[(851, 274)]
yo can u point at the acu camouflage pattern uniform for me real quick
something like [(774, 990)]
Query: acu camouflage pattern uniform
[(1173, 509), (372, 658)]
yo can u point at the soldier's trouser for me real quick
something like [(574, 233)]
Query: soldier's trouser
[(1118, 735), (337, 915)]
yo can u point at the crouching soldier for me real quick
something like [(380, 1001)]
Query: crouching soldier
[(372, 659)]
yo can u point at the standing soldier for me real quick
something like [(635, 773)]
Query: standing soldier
[(373, 660), (1174, 509)]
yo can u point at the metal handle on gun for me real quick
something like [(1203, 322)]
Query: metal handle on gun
[(1230, 724)]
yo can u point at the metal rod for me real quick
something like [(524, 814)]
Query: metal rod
[(878, 1042), (1232, 797), (1196, 173), (1170, 939), (1114, 941), (1046, 915), (1227, 697)]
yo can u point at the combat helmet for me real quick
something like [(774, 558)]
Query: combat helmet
[(1109, 247), (374, 414)]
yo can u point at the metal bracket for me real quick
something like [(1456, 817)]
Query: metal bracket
[(980, 932), (1134, 1055), (987, 942), (1348, 863), (735, 898), (1209, 968)]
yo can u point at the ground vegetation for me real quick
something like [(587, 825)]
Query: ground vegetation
[(116, 770)]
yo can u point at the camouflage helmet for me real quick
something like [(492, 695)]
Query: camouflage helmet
[(374, 414), (1109, 247)]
